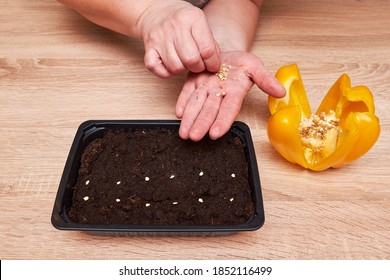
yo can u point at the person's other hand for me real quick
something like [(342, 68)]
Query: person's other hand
[(209, 104), (177, 37)]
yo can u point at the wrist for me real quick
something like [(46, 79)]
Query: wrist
[(155, 12)]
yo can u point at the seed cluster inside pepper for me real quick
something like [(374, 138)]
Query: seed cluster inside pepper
[(319, 135)]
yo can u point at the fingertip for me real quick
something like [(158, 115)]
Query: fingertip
[(214, 136), (283, 92), (159, 70), (163, 74), (184, 96), (183, 134), (213, 65), (153, 62), (278, 89), (216, 131), (270, 85), (179, 111), (213, 68), (196, 134)]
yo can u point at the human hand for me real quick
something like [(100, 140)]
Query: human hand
[(208, 103), (177, 37)]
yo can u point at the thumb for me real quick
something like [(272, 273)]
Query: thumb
[(266, 81)]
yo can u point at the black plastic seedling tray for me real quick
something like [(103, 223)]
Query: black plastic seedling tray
[(90, 130)]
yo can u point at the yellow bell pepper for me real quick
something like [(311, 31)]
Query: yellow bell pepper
[(342, 130)]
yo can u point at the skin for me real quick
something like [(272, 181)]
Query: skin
[(181, 40), (180, 37), (198, 105), (201, 104), (176, 34)]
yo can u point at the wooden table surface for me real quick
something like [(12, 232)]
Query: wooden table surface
[(58, 70)]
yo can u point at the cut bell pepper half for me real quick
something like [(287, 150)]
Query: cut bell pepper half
[(343, 129)]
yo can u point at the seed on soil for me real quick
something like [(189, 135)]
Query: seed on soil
[(157, 201)]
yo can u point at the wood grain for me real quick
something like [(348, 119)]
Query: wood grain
[(58, 70)]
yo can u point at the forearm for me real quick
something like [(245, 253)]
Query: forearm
[(233, 22), (118, 15)]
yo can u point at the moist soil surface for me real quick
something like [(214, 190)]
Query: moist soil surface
[(152, 176)]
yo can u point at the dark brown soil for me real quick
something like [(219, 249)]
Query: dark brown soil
[(154, 177)]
